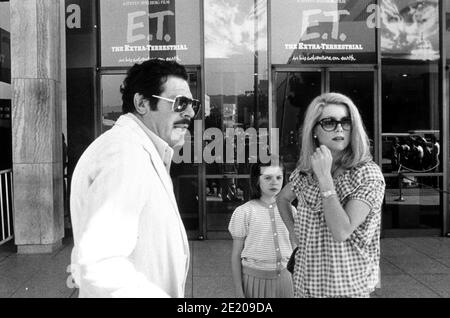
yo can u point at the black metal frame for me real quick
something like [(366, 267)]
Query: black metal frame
[(444, 135), (444, 80)]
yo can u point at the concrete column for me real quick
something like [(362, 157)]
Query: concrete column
[(36, 125)]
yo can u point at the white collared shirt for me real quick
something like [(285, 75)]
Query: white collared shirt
[(163, 148)]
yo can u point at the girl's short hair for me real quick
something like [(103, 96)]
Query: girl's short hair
[(255, 172), (358, 150)]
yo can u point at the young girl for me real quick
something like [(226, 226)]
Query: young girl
[(261, 245)]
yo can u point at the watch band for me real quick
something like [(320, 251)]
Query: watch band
[(327, 194)]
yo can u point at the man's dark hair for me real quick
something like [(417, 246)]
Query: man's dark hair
[(255, 172), (147, 79)]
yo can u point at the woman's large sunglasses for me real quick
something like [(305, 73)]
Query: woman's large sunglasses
[(330, 124), (181, 103)]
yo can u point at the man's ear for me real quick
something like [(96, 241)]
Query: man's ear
[(139, 104)]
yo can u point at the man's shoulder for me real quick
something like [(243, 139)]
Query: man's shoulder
[(116, 142), (107, 143)]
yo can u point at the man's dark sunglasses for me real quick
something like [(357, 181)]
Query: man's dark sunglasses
[(181, 103), (330, 124)]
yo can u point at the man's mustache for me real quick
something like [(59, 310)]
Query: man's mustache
[(183, 122)]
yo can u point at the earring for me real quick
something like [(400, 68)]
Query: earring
[(315, 137)]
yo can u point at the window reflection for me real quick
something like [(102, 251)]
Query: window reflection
[(236, 98), (410, 29), (5, 88), (359, 87), (411, 118), (185, 174), (234, 27), (294, 93), (412, 206), (412, 152), (111, 100), (236, 64)]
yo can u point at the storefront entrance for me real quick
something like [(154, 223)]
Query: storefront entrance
[(208, 192), (411, 149), (252, 70)]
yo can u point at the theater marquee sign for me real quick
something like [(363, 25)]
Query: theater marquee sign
[(134, 31), (324, 31)]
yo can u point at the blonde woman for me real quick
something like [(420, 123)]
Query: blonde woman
[(340, 191)]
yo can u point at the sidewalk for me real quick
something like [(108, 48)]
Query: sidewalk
[(410, 267)]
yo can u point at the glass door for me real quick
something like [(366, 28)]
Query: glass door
[(185, 175), (236, 105), (359, 85), (111, 99), (294, 89), (412, 149)]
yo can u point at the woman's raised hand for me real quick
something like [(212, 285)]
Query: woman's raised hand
[(321, 162)]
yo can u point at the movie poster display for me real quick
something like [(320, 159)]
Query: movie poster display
[(410, 29), (134, 31), (323, 31)]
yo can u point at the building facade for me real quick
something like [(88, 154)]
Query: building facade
[(256, 65)]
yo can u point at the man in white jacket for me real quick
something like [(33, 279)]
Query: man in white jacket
[(129, 239)]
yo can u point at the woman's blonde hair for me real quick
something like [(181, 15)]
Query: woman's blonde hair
[(358, 150)]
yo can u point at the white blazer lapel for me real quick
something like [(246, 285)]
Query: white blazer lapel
[(167, 182), (154, 156)]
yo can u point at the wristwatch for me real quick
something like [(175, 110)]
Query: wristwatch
[(327, 194)]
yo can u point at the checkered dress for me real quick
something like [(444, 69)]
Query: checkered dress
[(323, 266)]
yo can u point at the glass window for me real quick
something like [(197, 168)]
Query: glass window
[(410, 206), (80, 78), (294, 92), (5, 45), (236, 99), (410, 29), (80, 39), (359, 87), (134, 31), (411, 115), (5, 52), (5, 88), (184, 169), (318, 32), (111, 100), (447, 29)]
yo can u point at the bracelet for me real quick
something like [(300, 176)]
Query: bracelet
[(327, 194)]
